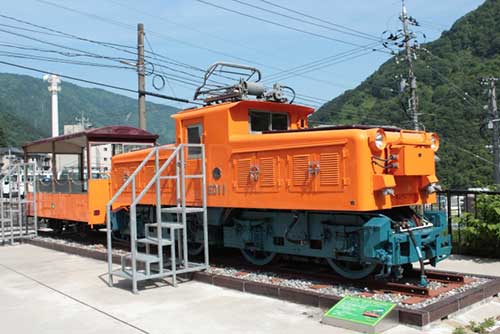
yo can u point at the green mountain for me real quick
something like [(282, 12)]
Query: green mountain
[(451, 98), (25, 109)]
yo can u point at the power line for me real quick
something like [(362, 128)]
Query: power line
[(96, 83), (320, 20), (326, 65), (277, 23), (318, 61), (313, 98), (59, 60), (166, 78), (456, 89), (105, 44), (58, 33), (318, 64), (267, 10), (215, 36), (185, 26), (164, 36), (67, 54), (128, 26), (83, 53), (167, 37)]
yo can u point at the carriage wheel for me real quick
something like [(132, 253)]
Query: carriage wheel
[(259, 258), (352, 270)]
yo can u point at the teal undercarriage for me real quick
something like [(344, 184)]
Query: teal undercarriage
[(355, 244)]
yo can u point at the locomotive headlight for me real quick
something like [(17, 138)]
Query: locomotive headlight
[(434, 142), (377, 140)]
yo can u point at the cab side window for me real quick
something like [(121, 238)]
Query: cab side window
[(194, 137), (261, 121)]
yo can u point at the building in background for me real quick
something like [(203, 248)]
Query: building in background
[(9, 156)]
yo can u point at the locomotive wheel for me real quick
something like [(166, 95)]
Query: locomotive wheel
[(195, 248), (259, 258), (351, 270)]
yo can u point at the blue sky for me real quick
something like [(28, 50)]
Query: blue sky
[(197, 34)]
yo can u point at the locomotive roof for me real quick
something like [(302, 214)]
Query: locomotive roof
[(386, 128), (257, 104), (74, 142)]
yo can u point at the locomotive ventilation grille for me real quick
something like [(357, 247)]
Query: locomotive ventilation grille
[(243, 169), (300, 171), (268, 178), (329, 169)]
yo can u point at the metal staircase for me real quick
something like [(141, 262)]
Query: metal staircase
[(15, 222), (164, 235)]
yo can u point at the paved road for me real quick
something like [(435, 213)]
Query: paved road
[(44, 291)]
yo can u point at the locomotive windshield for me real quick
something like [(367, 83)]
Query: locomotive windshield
[(267, 121)]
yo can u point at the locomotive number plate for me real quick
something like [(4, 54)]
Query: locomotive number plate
[(216, 189)]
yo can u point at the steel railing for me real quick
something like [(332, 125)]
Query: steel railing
[(178, 153)]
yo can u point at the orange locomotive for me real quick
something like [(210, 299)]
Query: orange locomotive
[(352, 168), (275, 186)]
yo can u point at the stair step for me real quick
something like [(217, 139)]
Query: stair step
[(140, 275), (166, 225), (174, 225), (176, 209), (143, 257), (168, 177), (154, 241), (128, 275), (194, 176)]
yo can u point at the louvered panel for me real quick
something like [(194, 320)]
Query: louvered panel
[(300, 165), (329, 169), (243, 172), (267, 172)]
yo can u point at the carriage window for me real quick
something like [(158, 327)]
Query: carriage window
[(268, 121), (194, 137)]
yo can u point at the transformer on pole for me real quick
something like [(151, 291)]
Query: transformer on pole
[(54, 82)]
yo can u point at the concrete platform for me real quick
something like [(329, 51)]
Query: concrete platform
[(44, 291)]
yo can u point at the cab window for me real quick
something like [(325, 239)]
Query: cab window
[(194, 137), (267, 121)]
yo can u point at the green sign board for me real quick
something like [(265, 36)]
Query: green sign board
[(363, 311)]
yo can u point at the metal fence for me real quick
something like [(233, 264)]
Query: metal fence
[(456, 203)]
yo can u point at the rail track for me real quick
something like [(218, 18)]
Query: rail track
[(297, 268)]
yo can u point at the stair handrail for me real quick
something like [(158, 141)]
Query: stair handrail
[(137, 199), (130, 180), (151, 182), (131, 177)]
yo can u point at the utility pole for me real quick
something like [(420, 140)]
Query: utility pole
[(493, 113), (141, 76), (83, 121), (407, 38)]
